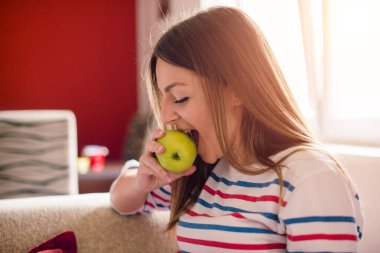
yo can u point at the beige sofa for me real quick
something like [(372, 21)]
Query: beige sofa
[(27, 222)]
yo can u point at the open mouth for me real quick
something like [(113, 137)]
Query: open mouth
[(194, 135)]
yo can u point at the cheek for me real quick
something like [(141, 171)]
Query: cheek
[(202, 121), (197, 114), (205, 126)]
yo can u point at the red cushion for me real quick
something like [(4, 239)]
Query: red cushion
[(64, 242), (51, 251)]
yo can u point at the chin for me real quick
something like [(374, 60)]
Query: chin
[(208, 159), (208, 156)]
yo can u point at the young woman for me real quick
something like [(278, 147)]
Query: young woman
[(259, 182)]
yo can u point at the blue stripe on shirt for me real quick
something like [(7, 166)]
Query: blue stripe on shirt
[(320, 219), (236, 210), (225, 228), (360, 234), (218, 179), (159, 205), (165, 191)]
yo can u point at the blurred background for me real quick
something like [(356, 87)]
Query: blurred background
[(87, 56)]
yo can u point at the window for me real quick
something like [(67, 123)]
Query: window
[(352, 80), (329, 53)]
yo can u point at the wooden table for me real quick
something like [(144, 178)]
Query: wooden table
[(100, 181)]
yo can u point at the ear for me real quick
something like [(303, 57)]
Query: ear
[(232, 97), (236, 100)]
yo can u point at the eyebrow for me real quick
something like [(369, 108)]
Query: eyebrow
[(169, 87)]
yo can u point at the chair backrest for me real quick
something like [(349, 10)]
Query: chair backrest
[(38, 152)]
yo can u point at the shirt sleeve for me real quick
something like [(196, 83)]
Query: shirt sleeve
[(158, 199), (322, 214)]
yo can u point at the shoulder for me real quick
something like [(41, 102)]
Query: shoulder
[(317, 177), (310, 168), (322, 200), (300, 164)]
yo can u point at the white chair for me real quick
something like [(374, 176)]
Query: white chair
[(38, 152)]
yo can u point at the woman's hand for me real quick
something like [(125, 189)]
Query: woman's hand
[(150, 174)]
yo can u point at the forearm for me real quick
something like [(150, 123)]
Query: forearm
[(125, 196)]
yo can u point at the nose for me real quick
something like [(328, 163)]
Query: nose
[(168, 113)]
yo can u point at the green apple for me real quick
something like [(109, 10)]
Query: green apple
[(180, 151)]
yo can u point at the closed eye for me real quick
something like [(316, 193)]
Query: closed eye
[(182, 100)]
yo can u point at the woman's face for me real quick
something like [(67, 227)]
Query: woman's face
[(183, 103)]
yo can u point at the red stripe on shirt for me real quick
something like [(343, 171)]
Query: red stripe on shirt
[(149, 204), (270, 198), (238, 215), (192, 213), (159, 197), (334, 237), (226, 245)]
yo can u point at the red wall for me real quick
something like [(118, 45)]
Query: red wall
[(72, 54)]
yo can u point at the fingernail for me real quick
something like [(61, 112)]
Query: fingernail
[(160, 149)]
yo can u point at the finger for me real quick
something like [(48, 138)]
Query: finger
[(154, 147), (155, 175), (151, 164), (156, 134)]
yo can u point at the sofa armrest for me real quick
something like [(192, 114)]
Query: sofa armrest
[(25, 223)]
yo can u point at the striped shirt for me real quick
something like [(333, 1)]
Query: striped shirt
[(236, 212)]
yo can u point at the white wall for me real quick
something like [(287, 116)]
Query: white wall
[(147, 16), (363, 165)]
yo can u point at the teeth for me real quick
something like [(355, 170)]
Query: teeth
[(171, 127)]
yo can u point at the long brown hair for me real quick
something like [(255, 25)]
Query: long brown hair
[(224, 47)]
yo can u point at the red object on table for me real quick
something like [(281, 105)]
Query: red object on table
[(97, 162), (97, 155)]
